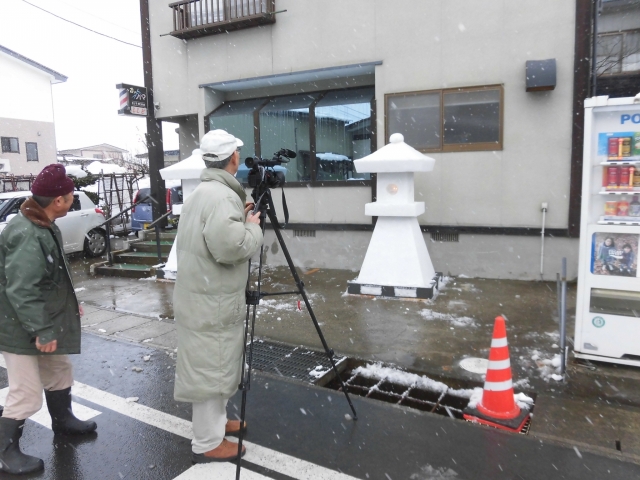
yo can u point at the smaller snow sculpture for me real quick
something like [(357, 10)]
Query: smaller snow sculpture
[(397, 263)]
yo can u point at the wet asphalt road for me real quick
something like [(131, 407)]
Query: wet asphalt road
[(297, 420)]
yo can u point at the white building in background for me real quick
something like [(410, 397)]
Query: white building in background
[(27, 132), (104, 151), (332, 80)]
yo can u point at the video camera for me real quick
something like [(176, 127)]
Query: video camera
[(262, 172)]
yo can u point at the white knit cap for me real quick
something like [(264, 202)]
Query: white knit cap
[(218, 145)]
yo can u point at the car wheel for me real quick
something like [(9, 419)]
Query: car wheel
[(95, 243)]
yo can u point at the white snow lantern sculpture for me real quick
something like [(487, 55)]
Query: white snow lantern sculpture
[(188, 171), (397, 263)]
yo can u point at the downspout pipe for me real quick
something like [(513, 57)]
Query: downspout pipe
[(544, 208)]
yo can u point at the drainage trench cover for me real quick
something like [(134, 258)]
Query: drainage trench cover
[(439, 398), (294, 362)]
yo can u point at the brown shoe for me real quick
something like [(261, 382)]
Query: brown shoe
[(233, 427), (224, 452)]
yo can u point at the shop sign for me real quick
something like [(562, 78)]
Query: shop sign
[(133, 100)]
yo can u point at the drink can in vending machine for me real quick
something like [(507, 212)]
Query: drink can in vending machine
[(626, 147), (613, 149), (624, 177), (612, 177), (611, 208)]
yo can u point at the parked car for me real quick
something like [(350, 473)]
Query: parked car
[(142, 215), (81, 227)]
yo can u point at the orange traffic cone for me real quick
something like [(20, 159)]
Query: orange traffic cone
[(498, 407)]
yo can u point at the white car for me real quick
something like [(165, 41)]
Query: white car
[(81, 228)]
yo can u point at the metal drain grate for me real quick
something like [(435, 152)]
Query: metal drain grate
[(294, 362), (304, 233), (444, 403), (444, 237)]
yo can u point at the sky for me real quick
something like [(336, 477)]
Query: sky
[(86, 105)]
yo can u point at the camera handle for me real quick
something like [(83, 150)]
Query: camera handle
[(264, 204)]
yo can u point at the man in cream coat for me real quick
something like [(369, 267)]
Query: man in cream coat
[(216, 238)]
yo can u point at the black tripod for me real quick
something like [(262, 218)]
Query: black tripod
[(264, 205)]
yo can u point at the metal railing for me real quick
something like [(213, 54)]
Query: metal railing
[(206, 17)]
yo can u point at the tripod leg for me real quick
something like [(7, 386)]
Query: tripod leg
[(300, 285), (248, 360)]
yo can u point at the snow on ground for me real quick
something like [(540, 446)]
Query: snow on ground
[(376, 371), (546, 365), (428, 314)]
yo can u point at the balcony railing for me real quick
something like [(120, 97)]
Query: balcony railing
[(197, 18)]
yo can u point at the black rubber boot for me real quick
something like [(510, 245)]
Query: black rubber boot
[(62, 418), (12, 460)]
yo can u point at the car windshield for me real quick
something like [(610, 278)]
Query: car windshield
[(143, 194)]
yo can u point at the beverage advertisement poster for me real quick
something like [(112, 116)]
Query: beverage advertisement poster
[(630, 149), (615, 254)]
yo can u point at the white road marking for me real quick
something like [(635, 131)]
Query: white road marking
[(224, 471), (265, 457), (42, 416)]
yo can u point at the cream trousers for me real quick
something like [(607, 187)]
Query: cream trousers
[(28, 376), (209, 420)]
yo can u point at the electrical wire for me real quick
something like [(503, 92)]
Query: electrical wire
[(99, 18), (81, 26)]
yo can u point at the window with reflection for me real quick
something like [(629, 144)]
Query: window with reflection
[(237, 119), (328, 130), (343, 134), (417, 117), (471, 117), (284, 123)]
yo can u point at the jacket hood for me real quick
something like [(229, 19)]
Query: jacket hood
[(35, 213), (224, 177)]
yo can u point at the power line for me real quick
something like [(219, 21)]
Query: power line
[(81, 26), (99, 18)]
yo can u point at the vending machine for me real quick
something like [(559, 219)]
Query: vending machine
[(608, 300)]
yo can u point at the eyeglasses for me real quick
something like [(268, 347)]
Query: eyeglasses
[(238, 149)]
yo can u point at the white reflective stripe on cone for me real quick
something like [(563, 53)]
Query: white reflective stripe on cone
[(499, 364), (498, 386), (499, 342)]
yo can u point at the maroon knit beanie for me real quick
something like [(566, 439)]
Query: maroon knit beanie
[(52, 181)]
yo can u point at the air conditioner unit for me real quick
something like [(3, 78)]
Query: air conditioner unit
[(5, 166)]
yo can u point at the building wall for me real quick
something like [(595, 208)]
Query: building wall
[(41, 133), (26, 112), (103, 154), (26, 91), (481, 256), (424, 45)]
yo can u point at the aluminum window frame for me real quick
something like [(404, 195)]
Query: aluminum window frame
[(26, 150), (2, 144), (620, 61), (453, 147)]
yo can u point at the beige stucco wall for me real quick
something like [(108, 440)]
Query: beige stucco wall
[(427, 44), (41, 133)]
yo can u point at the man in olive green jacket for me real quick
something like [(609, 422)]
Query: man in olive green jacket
[(39, 318), (214, 244)]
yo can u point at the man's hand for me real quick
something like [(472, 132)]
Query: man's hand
[(253, 217), (248, 207), (47, 347), (80, 310)]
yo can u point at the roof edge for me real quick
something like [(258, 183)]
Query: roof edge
[(57, 77)]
